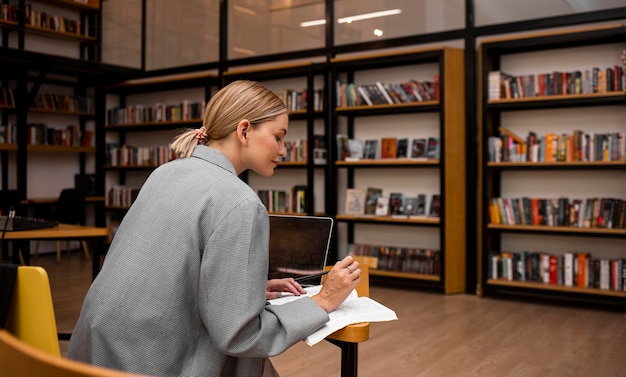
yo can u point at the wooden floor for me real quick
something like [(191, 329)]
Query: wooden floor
[(436, 335)]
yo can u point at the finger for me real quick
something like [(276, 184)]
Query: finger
[(345, 262)]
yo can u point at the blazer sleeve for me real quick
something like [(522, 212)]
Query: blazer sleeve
[(232, 282)]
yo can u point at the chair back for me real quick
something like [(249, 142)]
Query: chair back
[(31, 313), (70, 207), (20, 359), (10, 199)]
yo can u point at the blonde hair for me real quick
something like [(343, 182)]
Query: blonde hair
[(236, 101)]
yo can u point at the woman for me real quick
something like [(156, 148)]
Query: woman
[(183, 289)]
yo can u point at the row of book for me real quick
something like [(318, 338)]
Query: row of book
[(595, 80), (379, 93), (299, 99), (7, 97), (552, 147), (39, 19), (127, 155), (43, 134), (607, 213), (350, 149), (372, 201), (121, 196), (159, 112), (402, 259), (64, 102), (281, 201), (569, 269), (8, 133)]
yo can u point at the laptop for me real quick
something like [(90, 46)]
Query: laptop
[(299, 246)]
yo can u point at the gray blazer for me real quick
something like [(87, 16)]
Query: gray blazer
[(182, 289)]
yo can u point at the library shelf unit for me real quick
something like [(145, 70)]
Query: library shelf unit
[(445, 118), (66, 20), (569, 179), (128, 99), (304, 83)]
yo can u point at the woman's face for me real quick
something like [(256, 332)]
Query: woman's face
[(267, 145)]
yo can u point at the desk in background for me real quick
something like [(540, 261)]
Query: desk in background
[(62, 232)]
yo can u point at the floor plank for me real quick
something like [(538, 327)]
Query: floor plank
[(435, 336)]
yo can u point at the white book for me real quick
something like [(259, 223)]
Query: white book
[(569, 269), (353, 310)]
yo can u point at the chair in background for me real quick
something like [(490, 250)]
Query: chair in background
[(69, 209), (31, 312), (19, 359)]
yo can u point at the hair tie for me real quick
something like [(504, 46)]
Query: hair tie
[(201, 134)]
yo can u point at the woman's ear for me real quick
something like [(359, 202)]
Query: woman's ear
[(243, 128)]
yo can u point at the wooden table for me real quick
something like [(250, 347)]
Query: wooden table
[(349, 337), (62, 232)]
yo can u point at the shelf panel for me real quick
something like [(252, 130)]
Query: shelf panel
[(559, 229), (60, 112), (388, 163), (390, 220), (60, 148), (8, 147), (404, 275), (129, 167), (555, 101), (74, 4), (59, 34), (154, 125), (558, 165), (554, 287), (399, 108)]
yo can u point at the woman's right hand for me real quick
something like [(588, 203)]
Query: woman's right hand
[(339, 283)]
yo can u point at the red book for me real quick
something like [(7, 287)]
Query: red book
[(581, 273), (553, 270)]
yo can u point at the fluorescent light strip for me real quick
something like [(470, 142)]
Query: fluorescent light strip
[(365, 16), (312, 23), (358, 17)]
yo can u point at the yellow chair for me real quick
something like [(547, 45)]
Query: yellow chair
[(19, 359), (31, 312)]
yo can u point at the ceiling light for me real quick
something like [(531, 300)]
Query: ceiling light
[(312, 23), (365, 16)]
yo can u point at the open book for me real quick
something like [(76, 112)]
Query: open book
[(354, 309)]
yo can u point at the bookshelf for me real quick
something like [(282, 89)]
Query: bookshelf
[(301, 85), (66, 21), (565, 251), (142, 118), (440, 116)]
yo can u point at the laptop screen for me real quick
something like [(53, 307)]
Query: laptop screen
[(298, 246)]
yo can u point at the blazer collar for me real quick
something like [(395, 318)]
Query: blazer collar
[(213, 156)]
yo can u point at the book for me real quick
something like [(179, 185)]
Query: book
[(355, 201), (355, 146), (382, 206), (435, 206), (432, 148), (371, 199), (396, 204), (388, 147), (370, 149), (418, 148), (410, 206), (353, 310), (343, 147), (402, 148)]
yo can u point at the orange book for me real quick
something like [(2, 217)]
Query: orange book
[(581, 271), (548, 152), (388, 147), (534, 210)]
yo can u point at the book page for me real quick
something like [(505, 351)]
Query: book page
[(353, 310)]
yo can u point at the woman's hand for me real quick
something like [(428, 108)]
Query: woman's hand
[(339, 283), (275, 288)]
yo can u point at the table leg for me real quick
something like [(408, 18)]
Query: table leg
[(349, 357)]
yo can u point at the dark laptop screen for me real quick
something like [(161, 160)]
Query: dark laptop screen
[(299, 246)]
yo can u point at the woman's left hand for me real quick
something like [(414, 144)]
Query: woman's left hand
[(275, 288)]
